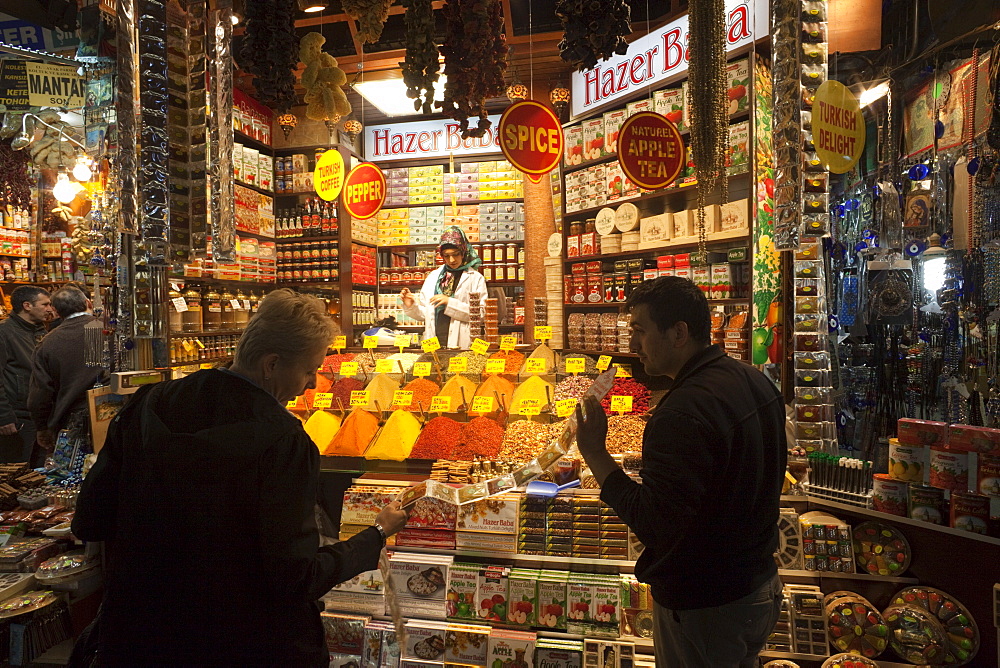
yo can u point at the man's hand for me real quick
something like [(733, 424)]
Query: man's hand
[(407, 297), (8, 429), (46, 439), (392, 518), (439, 300), (591, 437)]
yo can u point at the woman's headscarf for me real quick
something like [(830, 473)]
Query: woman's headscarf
[(454, 236)]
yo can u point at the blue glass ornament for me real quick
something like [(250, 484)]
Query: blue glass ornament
[(840, 210), (915, 247), (919, 172), (860, 246), (945, 238), (876, 191), (833, 324), (129, 344), (853, 204), (973, 166), (841, 419), (868, 234), (939, 129), (924, 335)]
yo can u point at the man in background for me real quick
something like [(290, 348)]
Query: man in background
[(57, 398), (19, 336)]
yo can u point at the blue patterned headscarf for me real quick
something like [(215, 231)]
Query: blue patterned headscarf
[(454, 237)]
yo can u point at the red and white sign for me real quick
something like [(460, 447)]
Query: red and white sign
[(427, 139), (660, 55), (650, 150), (364, 191), (531, 138)]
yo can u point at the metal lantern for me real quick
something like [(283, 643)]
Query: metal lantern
[(517, 91), (352, 128), (287, 123), (560, 99)]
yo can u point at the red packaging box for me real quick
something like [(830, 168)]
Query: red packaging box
[(682, 260), (921, 432), (969, 439), (665, 262)]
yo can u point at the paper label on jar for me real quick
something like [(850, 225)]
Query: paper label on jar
[(385, 366), (535, 365), (179, 304), (479, 347), (576, 365), (349, 369), (339, 342), (422, 369), (508, 342), (621, 403), (359, 398), (235, 304), (215, 308), (441, 405), (482, 405), (246, 304), (323, 400), (371, 342), (430, 345), (496, 366), (402, 398), (458, 365)]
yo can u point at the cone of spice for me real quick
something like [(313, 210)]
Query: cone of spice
[(438, 439), (481, 438), (395, 440), (323, 384), (381, 389), (543, 352), (535, 390), (355, 435), (453, 388), (322, 427), (423, 391), (497, 388)]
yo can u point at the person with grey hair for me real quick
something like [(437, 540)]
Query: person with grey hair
[(204, 494), (57, 395), (19, 335)]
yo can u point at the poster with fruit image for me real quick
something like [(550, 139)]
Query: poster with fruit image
[(766, 261), (593, 139), (670, 103), (612, 125), (738, 151), (573, 151), (615, 181), (737, 81)]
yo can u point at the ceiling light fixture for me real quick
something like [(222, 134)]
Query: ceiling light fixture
[(389, 95), (313, 6)]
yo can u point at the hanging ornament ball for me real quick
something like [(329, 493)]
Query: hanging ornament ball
[(915, 247), (876, 191), (840, 210), (924, 335), (129, 344), (868, 234), (919, 172), (875, 241), (860, 246), (973, 166), (832, 323), (853, 204), (939, 129), (841, 419)]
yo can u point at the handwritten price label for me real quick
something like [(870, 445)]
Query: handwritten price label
[(565, 407), (422, 369), (371, 342), (529, 407), (349, 369), (603, 362), (458, 365), (359, 398), (441, 405), (621, 404), (385, 366), (323, 400), (543, 332), (496, 366), (479, 346), (402, 398), (624, 371), (339, 343), (402, 341), (508, 342), (576, 365), (482, 404), (535, 365), (430, 345), (294, 404)]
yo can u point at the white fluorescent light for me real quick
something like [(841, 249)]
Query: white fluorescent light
[(389, 95), (873, 94)]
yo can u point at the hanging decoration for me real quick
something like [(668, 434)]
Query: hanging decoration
[(154, 176), (268, 51), (220, 168), (559, 96), (126, 111), (593, 31), (15, 186), (370, 15), (516, 91), (352, 128), (708, 102), (474, 53), (57, 146), (420, 67), (785, 27), (287, 123), (322, 80)]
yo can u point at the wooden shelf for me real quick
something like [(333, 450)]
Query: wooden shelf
[(364, 286), (364, 243), (430, 246), (218, 332), (457, 203), (311, 193), (785, 572), (257, 235), (598, 353), (659, 250), (215, 361), (614, 305), (665, 192), (525, 559), (221, 281), (289, 240), (250, 186), (247, 140)]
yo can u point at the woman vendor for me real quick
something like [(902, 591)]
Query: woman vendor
[(443, 301)]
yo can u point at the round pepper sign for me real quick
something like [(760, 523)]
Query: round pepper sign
[(650, 150), (364, 191), (328, 179), (531, 138), (838, 127)]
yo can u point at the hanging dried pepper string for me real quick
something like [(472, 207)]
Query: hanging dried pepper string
[(15, 186), (420, 67)]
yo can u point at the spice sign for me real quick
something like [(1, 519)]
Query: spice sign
[(458, 365), (349, 369), (54, 86), (440, 405), (479, 347), (402, 341), (603, 362), (496, 366), (323, 400), (651, 150), (565, 407), (339, 343), (621, 404), (385, 366), (530, 407), (543, 332), (535, 365), (482, 405), (430, 345), (624, 371), (359, 398), (402, 398), (364, 191), (371, 341), (531, 138), (508, 342), (422, 369), (328, 178), (838, 127), (576, 365)]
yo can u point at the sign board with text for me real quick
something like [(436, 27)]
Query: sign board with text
[(427, 139)]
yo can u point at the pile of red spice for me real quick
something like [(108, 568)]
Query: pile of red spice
[(514, 360), (342, 390), (438, 439), (625, 387), (481, 437), (331, 363), (423, 391)]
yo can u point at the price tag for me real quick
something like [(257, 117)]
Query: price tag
[(603, 362), (339, 343), (198, 343), (458, 365), (359, 398), (496, 366), (482, 405), (529, 407), (508, 342), (371, 341), (479, 346), (624, 371), (188, 346), (402, 341), (402, 398), (430, 345), (441, 405), (323, 400), (180, 305), (535, 365), (576, 365), (294, 403), (565, 407), (543, 332), (235, 303), (621, 404), (246, 304), (385, 366), (348, 368), (206, 365), (422, 369)]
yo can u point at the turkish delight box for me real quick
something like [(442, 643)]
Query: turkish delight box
[(432, 513), (345, 634), (364, 593), (495, 514), (425, 640), (511, 648), (466, 644), (380, 649), (738, 85), (362, 503), (733, 217), (593, 139), (420, 582), (670, 103), (612, 125)]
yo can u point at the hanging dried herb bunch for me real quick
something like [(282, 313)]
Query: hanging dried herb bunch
[(370, 15), (707, 101), (420, 69), (269, 51), (475, 58), (15, 186), (592, 30)]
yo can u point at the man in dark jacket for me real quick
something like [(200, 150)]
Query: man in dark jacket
[(19, 336), (57, 396), (713, 461)]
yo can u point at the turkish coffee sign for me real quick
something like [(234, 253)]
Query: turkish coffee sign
[(661, 55), (427, 139)]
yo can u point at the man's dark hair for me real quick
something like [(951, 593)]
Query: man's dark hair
[(671, 299), (25, 293), (67, 301)]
